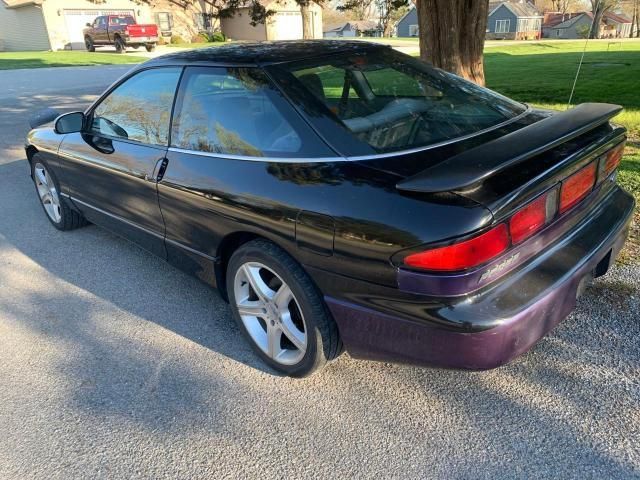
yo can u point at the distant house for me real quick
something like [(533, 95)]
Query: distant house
[(284, 24), (615, 25), (58, 24), (565, 25), (514, 20), (353, 28), (407, 26), (578, 25)]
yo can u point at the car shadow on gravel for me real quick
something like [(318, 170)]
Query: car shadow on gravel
[(567, 404), (120, 273)]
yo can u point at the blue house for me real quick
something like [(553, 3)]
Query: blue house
[(511, 20), (515, 20), (407, 26)]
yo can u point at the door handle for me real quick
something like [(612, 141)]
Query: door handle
[(159, 170)]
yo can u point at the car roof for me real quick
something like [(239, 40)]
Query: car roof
[(262, 53)]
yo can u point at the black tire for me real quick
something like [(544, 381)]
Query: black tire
[(69, 219), (88, 43), (120, 45), (150, 47), (323, 340)]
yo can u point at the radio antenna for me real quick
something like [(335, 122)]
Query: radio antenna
[(586, 42)]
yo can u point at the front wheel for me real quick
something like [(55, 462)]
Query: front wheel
[(120, 46), (150, 47), (88, 43), (280, 310), (58, 212)]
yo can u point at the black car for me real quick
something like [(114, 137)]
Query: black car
[(343, 194)]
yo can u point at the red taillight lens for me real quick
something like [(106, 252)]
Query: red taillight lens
[(577, 186), (530, 219), (463, 255), (611, 161)]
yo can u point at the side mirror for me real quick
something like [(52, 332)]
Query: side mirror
[(89, 25), (69, 123)]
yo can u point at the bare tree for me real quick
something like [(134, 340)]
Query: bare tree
[(452, 35), (361, 9), (387, 10), (598, 9)]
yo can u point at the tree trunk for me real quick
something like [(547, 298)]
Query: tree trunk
[(452, 35), (307, 21)]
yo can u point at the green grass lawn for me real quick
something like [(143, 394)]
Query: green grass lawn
[(13, 60), (542, 74)]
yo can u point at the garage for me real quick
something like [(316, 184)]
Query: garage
[(288, 26), (76, 21)]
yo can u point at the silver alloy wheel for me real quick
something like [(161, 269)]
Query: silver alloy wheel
[(270, 313), (47, 192)]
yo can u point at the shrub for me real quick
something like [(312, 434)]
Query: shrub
[(177, 39), (200, 38), (217, 37)]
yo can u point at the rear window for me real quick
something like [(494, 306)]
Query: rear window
[(124, 20), (392, 102)]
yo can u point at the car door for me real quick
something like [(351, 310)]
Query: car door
[(110, 169), (100, 30), (228, 123)]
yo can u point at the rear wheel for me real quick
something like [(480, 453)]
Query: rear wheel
[(88, 43), (280, 311), (150, 47), (58, 212), (120, 45)]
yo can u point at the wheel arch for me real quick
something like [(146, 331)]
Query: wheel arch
[(31, 152), (227, 247)]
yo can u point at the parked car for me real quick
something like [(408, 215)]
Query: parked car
[(342, 193), (122, 31)]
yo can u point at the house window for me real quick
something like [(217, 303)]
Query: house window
[(558, 33), (413, 30), (205, 22), (502, 26)]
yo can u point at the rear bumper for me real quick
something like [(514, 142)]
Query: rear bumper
[(489, 328)]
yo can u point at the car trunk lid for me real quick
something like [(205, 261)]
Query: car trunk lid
[(506, 172)]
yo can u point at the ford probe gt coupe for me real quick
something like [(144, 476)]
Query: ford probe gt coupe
[(341, 195)]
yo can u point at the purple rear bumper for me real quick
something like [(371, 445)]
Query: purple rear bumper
[(370, 334)]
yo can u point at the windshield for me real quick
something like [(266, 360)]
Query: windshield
[(390, 101)]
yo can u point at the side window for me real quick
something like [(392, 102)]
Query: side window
[(140, 108), (238, 111)]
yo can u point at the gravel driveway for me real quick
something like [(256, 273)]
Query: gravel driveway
[(114, 365)]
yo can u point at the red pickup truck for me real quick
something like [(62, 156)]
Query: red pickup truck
[(121, 31)]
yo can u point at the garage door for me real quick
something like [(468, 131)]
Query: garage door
[(76, 20), (288, 26)]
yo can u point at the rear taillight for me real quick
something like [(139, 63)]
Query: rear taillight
[(523, 224), (463, 255), (610, 161), (577, 186), (533, 217)]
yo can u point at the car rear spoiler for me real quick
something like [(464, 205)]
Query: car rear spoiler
[(477, 164)]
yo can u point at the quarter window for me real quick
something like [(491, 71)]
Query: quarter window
[(140, 108), (238, 111)]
